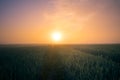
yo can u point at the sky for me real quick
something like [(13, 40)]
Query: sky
[(79, 21)]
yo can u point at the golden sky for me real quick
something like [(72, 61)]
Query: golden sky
[(79, 21)]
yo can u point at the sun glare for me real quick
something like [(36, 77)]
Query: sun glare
[(56, 36)]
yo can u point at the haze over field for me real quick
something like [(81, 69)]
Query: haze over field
[(79, 21)]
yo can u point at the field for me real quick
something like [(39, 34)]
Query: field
[(60, 62)]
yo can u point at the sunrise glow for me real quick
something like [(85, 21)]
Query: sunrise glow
[(59, 21), (56, 36)]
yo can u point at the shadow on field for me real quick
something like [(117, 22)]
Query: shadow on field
[(52, 66)]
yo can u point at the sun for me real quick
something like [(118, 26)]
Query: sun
[(56, 36)]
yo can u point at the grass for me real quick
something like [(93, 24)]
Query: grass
[(73, 62)]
